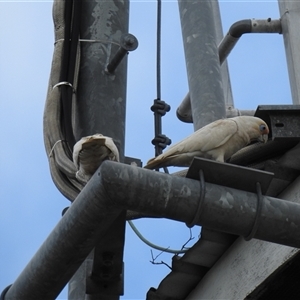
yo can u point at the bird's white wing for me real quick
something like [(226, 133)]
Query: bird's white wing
[(198, 143), (205, 139)]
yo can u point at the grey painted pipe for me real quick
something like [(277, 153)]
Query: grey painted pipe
[(184, 112), (116, 186), (202, 62)]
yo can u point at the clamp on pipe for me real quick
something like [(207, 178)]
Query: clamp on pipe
[(202, 196), (258, 213)]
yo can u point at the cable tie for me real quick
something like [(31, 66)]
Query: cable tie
[(64, 83), (52, 149), (91, 41), (202, 196), (258, 213)]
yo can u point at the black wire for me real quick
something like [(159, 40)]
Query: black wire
[(65, 103), (71, 35), (158, 116), (72, 63), (158, 50)]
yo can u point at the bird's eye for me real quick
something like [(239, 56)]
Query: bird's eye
[(262, 127)]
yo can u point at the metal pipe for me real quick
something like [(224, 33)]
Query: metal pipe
[(246, 26), (100, 107), (224, 67), (184, 112), (128, 43), (289, 12), (117, 186), (226, 45), (202, 62), (101, 99)]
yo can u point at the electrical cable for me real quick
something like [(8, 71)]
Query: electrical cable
[(160, 108), (158, 51), (65, 90), (58, 108), (136, 231)]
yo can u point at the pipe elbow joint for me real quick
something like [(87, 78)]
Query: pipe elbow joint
[(240, 27)]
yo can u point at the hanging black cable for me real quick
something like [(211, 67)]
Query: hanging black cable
[(158, 51), (66, 129), (71, 35), (160, 108), (75, 27)]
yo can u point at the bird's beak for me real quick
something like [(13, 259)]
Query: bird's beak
[(263, 138)]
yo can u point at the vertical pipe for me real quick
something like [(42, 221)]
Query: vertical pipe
[(224, 66), (202, 61), (101, 97), (290, 21)]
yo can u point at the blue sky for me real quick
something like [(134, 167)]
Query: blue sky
[(30, 204)]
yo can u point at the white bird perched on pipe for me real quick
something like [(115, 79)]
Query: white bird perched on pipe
[(218, 140), (90, 151)]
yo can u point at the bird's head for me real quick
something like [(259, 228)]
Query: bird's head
[(255, 128), (259, 130)]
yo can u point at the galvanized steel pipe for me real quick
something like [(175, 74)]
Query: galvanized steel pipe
[(116, 186), (184, 112), (202, 61)]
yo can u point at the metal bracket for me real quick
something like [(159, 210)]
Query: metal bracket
[(132, 161), (283, 120), (229, 175), (105, 273)]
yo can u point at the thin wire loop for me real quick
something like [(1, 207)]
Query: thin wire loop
[(52, 149), (136, 231), (91, 41)]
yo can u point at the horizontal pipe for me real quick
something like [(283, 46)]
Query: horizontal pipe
[(117, 186), (184, 113), (246, 26), (236, 30)]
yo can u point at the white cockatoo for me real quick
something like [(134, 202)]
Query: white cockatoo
[(90, 151), (218, 140)]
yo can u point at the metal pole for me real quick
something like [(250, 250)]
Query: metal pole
[(202, 61), (224, 67), (100, 108), (290, 20), (101, 97)]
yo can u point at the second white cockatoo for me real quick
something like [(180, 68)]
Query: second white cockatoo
[(218, 140), (90, 151)]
